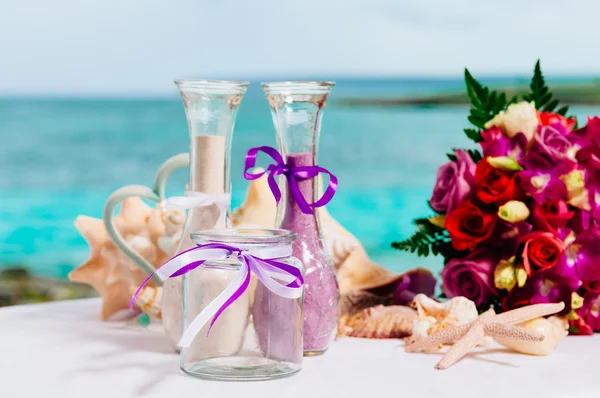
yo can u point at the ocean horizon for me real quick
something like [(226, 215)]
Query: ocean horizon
[(64, 154)]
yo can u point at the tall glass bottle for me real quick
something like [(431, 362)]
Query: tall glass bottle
[(297, 109), (211, 109)]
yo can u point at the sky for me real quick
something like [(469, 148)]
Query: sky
[(140, 46)]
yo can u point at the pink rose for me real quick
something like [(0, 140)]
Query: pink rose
[(454, 182), (471, 277)]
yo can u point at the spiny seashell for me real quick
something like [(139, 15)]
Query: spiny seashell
[(111, 272), (380, 322), (149, 301), (554, 330), (433, 316), (358, 300)]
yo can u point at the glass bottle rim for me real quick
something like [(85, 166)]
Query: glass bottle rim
[(244, 237), (213, 86), (297, 87)]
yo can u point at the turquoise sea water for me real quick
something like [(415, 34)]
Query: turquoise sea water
[(63, 157)]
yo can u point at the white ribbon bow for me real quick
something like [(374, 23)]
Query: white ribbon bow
[(262, 262), (199, 199)]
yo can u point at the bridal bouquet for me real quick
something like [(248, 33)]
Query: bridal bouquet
[(517, 221)]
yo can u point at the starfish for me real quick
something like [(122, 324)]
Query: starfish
[(110, 271), (489, 323)]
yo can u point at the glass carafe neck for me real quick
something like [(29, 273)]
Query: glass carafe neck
[(297, 109), (211, 109)]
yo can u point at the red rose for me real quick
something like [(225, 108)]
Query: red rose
[(579, 327), (550, 215), (494, 185), (542, 251), (468, 225), (548, 118)]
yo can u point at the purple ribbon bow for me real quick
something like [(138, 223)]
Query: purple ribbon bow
[(293, 175), (265, 269)]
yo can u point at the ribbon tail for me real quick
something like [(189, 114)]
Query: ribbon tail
[(285, 291), (300, 200), (329, 192), (139, 290), (234, 290)]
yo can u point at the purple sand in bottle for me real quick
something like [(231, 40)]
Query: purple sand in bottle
[(321, 294), (271, 313)]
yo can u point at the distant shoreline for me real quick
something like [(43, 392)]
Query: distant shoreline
[(570, 94)]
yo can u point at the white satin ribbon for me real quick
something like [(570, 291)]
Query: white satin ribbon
[(199, 199)]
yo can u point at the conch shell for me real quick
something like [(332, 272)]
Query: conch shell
[(379, 322), (433, 316), (554, 330), (355, 270), (149, 301)]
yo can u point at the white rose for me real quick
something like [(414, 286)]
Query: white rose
[(518, 118), (513, 211)]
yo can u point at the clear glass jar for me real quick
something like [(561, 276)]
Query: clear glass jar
[(259, 336)]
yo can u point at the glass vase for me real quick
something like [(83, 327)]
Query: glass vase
[(251, 339), (297, 109), (211, 109)]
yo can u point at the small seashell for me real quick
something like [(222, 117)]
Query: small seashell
[(149, 301), (380, 322), (554, 330)]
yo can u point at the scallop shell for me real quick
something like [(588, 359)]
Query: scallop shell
[(149, 301), (379, 322), (554, 330)]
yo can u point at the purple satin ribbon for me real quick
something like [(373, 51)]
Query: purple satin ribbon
[(263, 268), (293, 175)]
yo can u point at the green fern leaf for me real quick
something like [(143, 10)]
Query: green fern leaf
[(429, 239), (485, 104), (474, 135)]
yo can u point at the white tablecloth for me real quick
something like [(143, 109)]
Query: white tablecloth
[(62, 350)]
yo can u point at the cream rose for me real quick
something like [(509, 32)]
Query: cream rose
[(518, 118)]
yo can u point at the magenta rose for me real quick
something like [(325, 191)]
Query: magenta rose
[(471, 277), (454, 182), (590, 312)]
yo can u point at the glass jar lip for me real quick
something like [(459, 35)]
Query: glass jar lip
[(224, 86), (245, 236), (297, 87)]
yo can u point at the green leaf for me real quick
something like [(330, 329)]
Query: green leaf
[(540, 93), (474, 135), (563, 110), (429, 239), (485, 104), (475, 155)]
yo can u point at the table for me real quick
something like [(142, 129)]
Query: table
[(60, 350)]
